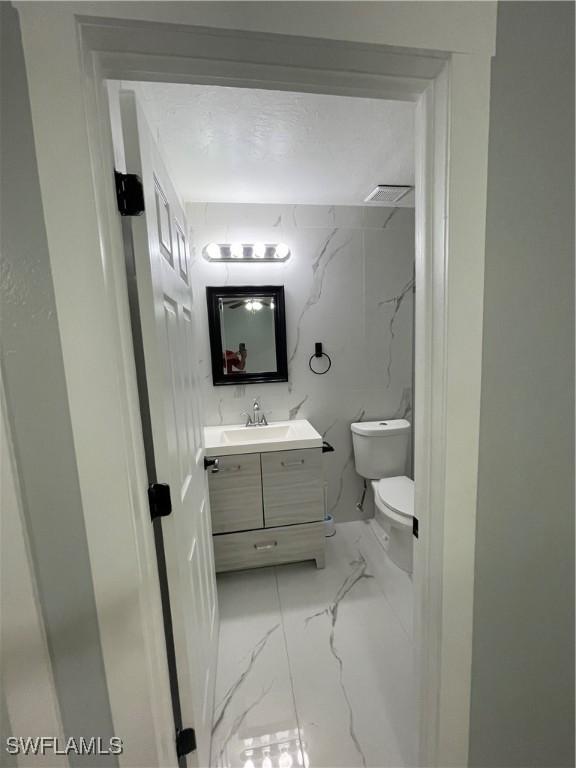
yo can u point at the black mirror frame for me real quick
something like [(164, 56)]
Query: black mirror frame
[(213, 294)]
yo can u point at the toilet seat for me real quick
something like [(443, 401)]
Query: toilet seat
[(394, 497)]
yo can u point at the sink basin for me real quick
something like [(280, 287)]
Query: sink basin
[(256, 434), (279, 436)]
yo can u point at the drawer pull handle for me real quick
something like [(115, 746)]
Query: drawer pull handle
[(262, 547), (292, 463)]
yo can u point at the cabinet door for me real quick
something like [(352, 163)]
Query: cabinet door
[(236, 494), (292, 487)]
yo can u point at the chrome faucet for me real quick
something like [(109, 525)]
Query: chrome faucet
[(257, 419)]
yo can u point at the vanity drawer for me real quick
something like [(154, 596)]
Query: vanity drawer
[(235, 551), (292, 487), (236, 494)]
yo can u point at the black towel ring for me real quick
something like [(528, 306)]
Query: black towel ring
[(319, 353)]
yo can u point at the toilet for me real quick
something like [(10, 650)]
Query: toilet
[(381, 455)]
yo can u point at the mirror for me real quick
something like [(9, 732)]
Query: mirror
[(247, 327)]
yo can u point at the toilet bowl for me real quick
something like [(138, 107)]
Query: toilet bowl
[(394, 513)]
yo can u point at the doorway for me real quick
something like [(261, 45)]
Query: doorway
[(446, 487), (315, 666)]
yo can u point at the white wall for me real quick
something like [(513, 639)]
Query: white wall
[(522, 711), (348, 284)]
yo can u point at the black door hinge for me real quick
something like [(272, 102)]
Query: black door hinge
[(185, 741), (415, 527), (129, 194), (159, 500)]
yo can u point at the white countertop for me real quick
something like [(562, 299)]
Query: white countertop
[(230, 439)]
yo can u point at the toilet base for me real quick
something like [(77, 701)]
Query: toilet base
[(396, 541)]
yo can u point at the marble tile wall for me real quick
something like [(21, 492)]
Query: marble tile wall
[(348, 284)]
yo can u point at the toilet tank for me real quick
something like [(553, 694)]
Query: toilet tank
[(381, 447)]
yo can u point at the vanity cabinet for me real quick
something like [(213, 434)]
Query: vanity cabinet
[(267, 509)]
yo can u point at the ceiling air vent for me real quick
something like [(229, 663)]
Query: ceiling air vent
[(387, 193)]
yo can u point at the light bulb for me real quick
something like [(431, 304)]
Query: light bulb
[(272, 305), (266, 762), (250, 305), (282, 251), (285, 760), (257, 305), (213, 251), (237, 250), (259, 251)]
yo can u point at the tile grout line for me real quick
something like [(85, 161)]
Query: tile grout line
[(289, 663)]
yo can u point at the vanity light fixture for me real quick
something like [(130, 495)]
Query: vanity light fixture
[(248, 252), (282, 251), (213, 251), (236, 251)]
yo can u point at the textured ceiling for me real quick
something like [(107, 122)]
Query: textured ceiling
[(256, 146)]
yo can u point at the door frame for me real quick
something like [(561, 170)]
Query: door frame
[(67, 57), (29, 699)]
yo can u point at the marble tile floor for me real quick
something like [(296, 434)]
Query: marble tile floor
[(316, 666)]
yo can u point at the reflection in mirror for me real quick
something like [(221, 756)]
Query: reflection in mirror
[(247, 334)]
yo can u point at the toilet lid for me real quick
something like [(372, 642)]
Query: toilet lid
[(397, 493)]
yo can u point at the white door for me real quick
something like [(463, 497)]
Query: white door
[(166, 316)]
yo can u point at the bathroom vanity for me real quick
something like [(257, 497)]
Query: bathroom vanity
[(266, 494)]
